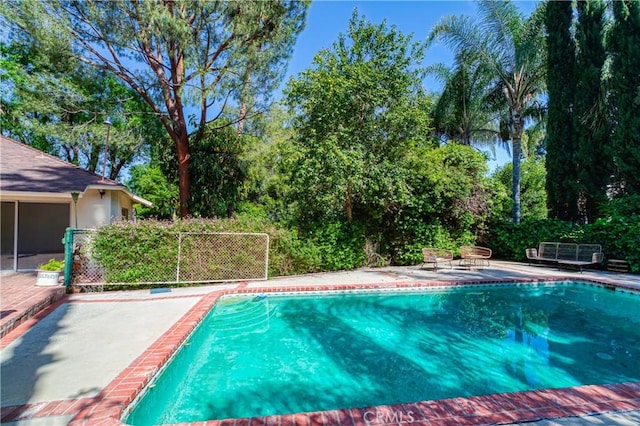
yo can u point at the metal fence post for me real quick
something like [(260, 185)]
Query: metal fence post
[(266, 259), (179, 253), (68, 256)]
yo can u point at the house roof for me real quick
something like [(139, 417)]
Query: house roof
[(26, 169)]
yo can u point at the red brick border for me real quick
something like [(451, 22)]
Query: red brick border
[(14, 321), (30, 319)]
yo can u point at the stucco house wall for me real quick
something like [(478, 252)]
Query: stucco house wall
[(36, 191)]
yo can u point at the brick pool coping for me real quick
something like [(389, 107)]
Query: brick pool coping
[(111, 404)]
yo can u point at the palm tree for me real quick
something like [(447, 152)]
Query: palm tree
[(461, 113), (512, 48)]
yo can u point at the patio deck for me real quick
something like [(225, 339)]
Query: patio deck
[(85, 356), (22, 299)]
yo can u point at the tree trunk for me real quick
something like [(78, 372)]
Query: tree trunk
[(245, 94), (348, 205), (517, 152), (184, 179), (94, 157), (243, 113), (516, 130), (243, 107), (116, 168)]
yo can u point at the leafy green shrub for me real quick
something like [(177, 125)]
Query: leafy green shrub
[(620, 238), (52, 265), (509, 241), (618, 233), (416, 235), (619, 230), (134, 252), (290, 255), (622, 207), (449, 205), (339, 245)]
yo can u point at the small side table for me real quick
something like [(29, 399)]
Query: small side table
[(617, 265)]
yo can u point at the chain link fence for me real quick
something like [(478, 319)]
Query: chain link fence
[(85, 269), (173, 258)]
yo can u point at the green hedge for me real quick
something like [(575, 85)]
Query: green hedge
[(132, 252), (619, 237), (509, 241), (146, 251)]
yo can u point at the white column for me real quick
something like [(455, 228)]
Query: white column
[(15, 236)]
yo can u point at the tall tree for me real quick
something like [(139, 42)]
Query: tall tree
[(182, 57), (357, 111), (148, 181), (464, 111), (590, 119), (513, 48), (624, 49), (534, 195), (271, 144), (561, 86), (59, 105)]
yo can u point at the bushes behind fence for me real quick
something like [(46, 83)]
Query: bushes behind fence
[(148, 249)]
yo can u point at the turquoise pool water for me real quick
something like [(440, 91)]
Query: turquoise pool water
[(255, 356)]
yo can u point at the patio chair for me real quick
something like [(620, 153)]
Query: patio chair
[(471, 256), (435, 255)]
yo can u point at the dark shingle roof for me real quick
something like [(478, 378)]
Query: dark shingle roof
[(26, 169)]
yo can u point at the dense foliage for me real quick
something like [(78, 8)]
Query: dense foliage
[(593, 160), (190, 57), (618, 232), (511, 46), (217, 173), (450, 203), (597, 106), (358, 113), (59, 105), (149, 180), (561, 87), (624, 49)]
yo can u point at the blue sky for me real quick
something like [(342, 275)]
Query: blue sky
[(327, 19)]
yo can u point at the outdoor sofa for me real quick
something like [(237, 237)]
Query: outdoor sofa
[(577, 255)]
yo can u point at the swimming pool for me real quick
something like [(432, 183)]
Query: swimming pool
[(267, 354)]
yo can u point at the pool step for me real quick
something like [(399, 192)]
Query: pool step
[(243, 316)]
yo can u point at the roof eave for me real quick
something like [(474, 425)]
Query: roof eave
[(16, 195), (10, 195), (135, 198)]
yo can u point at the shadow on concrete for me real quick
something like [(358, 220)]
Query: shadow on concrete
[(24, 360)]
